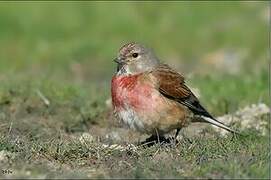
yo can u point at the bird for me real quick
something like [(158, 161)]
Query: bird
[(153, 98)]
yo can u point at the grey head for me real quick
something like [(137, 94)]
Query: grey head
[(134, 58)]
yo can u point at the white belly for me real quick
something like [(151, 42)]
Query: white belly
[(131, 119)]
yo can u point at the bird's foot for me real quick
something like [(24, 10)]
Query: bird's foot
[(154, 139)]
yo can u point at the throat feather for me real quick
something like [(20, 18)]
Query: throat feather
[(121, 88)]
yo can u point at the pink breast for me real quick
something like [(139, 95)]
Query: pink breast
[(131, 91)]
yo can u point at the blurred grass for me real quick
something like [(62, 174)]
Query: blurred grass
[(225, 94), (65, 50), (48, 38)]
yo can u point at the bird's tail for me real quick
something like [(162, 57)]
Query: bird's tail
[(218, 124)]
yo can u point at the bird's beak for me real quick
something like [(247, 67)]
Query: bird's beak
[(119, 60), (120, 63)]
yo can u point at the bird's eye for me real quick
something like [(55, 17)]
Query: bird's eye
[(135, 55)]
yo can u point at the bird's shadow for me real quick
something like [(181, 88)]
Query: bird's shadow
[(162, 140)]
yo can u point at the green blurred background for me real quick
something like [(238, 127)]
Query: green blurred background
[(47, 39), (221, 47)]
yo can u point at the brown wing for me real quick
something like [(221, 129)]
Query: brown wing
[(172, 85)]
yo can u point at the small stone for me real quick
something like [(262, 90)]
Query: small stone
[(5, 155), (113, 136), (248, 117), (28, 173), (86, 137), (108, 103)]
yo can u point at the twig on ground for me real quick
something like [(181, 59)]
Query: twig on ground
[(43, 98)]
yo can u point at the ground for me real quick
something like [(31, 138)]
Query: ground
[(56, 62)]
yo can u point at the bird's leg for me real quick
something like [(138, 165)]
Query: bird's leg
[(176, 135), (158, 136), (161, 138), (177, 132)]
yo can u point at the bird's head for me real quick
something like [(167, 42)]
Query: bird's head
[(134, 58)]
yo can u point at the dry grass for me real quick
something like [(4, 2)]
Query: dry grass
[(55, 70)]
